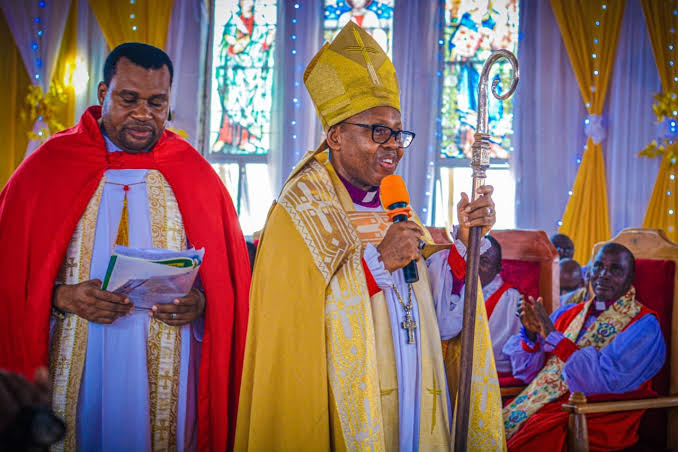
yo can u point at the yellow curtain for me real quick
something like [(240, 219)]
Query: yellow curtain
[(662, 210), (14, 81), (65, 65), (590, 29), (141, 21)]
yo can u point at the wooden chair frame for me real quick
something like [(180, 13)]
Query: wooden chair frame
[(644, 244)]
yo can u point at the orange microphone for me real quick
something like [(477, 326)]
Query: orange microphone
[(395, 198)]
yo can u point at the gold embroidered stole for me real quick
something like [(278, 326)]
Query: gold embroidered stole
[(69, 337), (486, 432), (434, 421), (549, 384), (311, 202), (362, 374), (163, 350)]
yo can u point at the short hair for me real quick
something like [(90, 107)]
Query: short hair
[(558, 237), (495, 245), (569, 264), (144, 55), (621, 249)]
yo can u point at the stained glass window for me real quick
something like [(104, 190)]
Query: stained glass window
[(473, 28), (242, 76), (241, 101), (376, 17)]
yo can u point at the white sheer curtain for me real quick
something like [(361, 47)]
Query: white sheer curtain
[(549, 121), (635, 79), (417, 27), (92, 48), (37, 31), (186, 46), (550, 115), (295, 127)]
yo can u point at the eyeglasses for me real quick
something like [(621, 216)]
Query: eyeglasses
[(381, 134)]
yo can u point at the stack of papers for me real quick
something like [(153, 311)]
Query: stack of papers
[(152, 276)]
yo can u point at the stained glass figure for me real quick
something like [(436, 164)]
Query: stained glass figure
[(473, 28), (243, 76), (376, 17)]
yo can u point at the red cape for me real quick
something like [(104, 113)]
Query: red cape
[(39, 209)]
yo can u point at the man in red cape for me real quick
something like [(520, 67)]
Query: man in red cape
[(43, 209)]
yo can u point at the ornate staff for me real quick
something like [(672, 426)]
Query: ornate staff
[(480, 161)]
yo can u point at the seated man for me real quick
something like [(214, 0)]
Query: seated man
[(611, 344), (571, 282), (501, 300)]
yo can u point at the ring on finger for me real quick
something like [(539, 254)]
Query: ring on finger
[(490, 211), (174, 316)]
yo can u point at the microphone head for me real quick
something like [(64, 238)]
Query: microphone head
[(393, 190)]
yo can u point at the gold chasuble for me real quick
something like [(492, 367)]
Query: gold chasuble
[(320, 370)]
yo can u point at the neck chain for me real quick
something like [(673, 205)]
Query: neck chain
[(408, 324)]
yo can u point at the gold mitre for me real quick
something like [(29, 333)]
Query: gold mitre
[(350, 75)]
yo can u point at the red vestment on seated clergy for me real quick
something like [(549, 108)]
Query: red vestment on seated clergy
[(547, 428)]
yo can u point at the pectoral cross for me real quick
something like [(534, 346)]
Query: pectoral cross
[(410, 325)]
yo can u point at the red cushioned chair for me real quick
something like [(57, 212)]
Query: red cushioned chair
[(656, 286), (530, 264)]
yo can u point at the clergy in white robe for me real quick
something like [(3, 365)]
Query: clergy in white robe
[(124, 379), (501, 299)]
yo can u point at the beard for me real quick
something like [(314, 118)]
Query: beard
[(131, 143)]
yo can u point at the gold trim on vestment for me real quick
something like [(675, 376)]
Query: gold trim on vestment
[(163, 350), (434, 421), (311, 202), (69, 339), (549, 383), (358, 338)]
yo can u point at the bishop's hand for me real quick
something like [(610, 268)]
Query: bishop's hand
[(534, 318), (477, 213), (400, 245), (88, 301), (182, 311)]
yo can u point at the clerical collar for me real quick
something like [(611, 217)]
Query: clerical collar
[(600, 306), (361, 197)]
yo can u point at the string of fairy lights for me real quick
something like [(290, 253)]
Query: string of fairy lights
[(296, 101), (596, 72), (433, 150), (132, 16), (672, 122), (38, 22)]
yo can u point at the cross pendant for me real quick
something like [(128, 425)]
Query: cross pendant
[(410, 325)]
